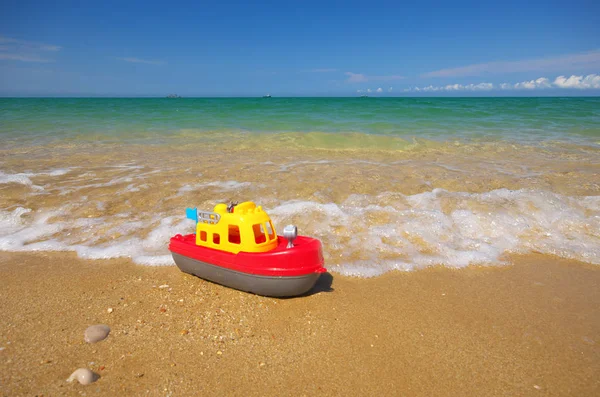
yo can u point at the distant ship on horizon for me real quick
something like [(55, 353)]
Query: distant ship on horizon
[(267, 96), (173, 96)]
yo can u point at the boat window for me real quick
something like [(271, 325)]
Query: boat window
[(203, 236), (259, 233), (270, 231), (234, 234), (216, 238)]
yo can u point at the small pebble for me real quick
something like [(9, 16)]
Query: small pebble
[(83, 376), (184, 332), (537, 387), (163, 286), (96, 333), (219, 352), (110, 310)]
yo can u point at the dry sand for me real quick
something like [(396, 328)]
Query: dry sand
[(531, 328)]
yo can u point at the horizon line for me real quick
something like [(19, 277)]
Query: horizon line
[(286, 96)]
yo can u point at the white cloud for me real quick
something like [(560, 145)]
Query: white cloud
[(29, 44), (542, 82), (23, 58), (482, 86), (362, 78), (453, 87), (579, 82), (578, 61), (591, 81), (356, 77), (25, 51), (139, 60), (376, 91)]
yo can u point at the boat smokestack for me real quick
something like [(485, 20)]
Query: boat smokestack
[(290, 232)]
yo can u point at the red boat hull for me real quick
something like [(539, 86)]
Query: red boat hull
[(279, 272)]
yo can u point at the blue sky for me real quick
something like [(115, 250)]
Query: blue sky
[(153, 48)]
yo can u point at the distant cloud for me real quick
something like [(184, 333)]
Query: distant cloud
[(324, 70), (453, 87), (23, 58), (579, 82), (356, 77), (591, 81), (25, 51), (542, 82), (362, 78), (139, 60), (29, 44), (377, 91), (577, 61)]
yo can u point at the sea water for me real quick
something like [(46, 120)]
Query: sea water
[(385, 183)]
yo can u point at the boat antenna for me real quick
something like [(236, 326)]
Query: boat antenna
[(231, 205)]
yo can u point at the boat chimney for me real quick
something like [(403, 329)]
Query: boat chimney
[(290, 232)]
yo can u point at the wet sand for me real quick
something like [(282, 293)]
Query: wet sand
[(530, 328)]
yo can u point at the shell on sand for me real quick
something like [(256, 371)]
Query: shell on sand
[(96, 333), (83, 376)]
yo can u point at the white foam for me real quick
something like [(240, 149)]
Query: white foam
[(15, 233), (286, 167), (447, 228), (20, 178), (59, 171), (24, 178), (362, 236), (219, 185), (41, 232)]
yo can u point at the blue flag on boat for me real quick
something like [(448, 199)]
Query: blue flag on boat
[(192, 213)]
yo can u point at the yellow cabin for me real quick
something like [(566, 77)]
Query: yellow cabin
[(242, 227)]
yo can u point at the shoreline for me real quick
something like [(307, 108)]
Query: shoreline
[(521, 329)]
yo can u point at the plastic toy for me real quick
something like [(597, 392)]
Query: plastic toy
[(237, 246)]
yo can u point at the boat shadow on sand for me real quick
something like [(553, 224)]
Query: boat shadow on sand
[(323, 284)]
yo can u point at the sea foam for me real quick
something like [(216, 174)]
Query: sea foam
[(391, 231), (365, 235)]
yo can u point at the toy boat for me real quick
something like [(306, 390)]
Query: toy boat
[(237, 246)]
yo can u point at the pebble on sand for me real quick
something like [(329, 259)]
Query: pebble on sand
[(96, 333), (83, 376)]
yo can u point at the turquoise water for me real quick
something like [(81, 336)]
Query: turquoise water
[(385, 183), (523, 120)]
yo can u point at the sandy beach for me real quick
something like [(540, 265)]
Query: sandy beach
[(528, 328)]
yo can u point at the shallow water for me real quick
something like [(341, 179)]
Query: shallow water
[(385, 184)]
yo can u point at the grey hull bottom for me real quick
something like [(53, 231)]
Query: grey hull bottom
[(261, 285)]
